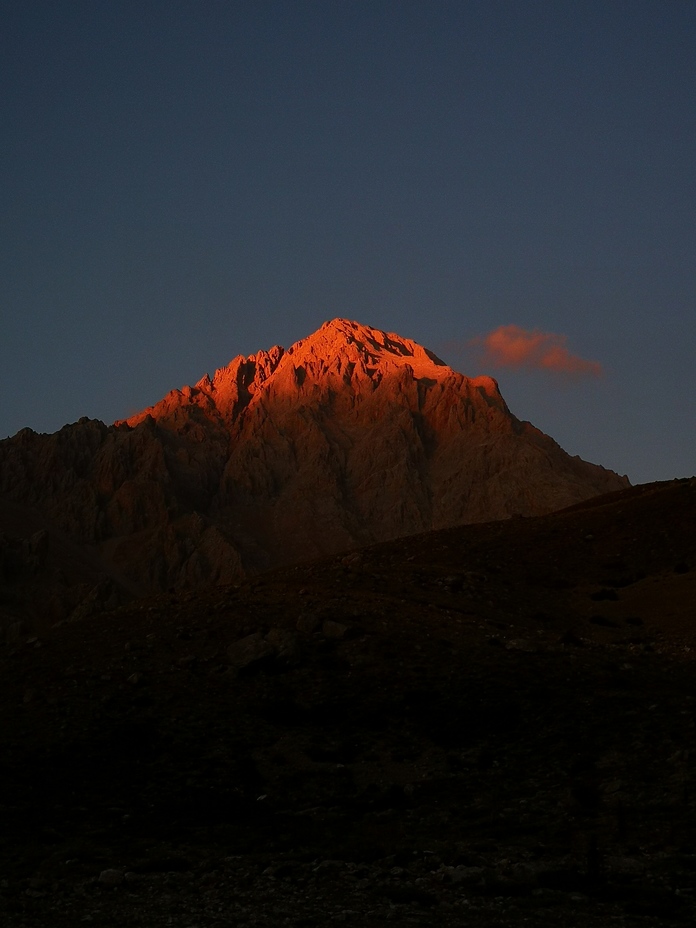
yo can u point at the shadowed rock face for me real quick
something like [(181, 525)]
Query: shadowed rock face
[(349, 437)]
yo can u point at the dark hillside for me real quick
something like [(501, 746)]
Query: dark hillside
[(486, 725)]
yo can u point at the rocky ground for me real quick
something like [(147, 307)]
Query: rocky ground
[(490, 725)]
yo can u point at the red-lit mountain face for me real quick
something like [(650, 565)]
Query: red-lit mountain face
[(349, 437)]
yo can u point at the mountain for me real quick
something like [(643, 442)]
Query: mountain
[(349, 437)]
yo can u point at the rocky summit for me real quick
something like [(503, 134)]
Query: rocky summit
[(351, 436)]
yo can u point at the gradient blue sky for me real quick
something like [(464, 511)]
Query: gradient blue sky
[(187, 181)]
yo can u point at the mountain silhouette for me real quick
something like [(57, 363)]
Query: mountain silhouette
[(351, 436)]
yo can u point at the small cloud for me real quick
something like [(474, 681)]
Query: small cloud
[(512, 346)]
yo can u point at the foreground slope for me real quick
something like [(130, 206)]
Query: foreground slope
[(487, 725), (349, 437)]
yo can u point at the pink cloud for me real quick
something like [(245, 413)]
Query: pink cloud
[(512, 346)]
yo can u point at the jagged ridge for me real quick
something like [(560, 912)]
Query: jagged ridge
[(341, 354)]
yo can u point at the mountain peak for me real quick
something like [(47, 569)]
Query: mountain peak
[(345, 338), (342, 355)]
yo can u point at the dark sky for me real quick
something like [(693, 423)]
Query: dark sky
[(187, 181)]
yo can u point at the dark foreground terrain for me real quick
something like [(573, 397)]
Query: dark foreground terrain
[(490, 725)]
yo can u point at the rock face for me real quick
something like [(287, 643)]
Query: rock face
[(349, 437)]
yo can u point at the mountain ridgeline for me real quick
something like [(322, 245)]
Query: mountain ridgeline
[(350, 437)]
